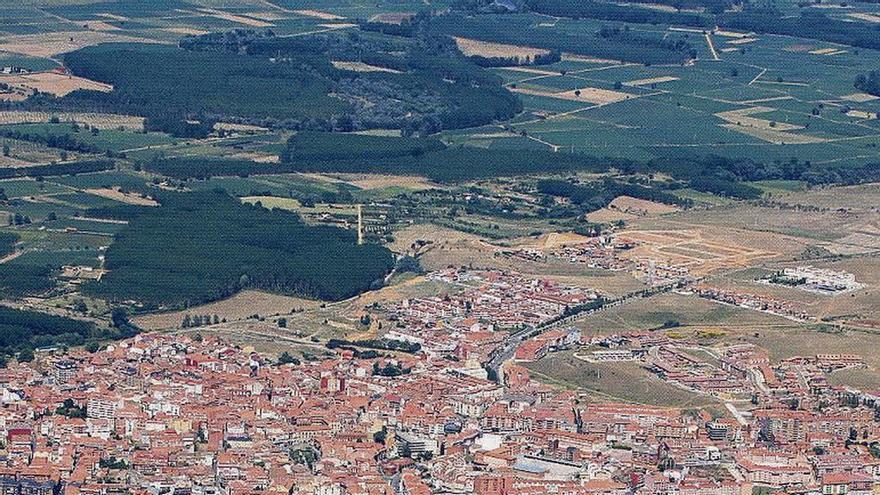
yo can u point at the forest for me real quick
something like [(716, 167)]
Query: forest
[(17, 280), (202, 246), (256, 78), (21, 329)]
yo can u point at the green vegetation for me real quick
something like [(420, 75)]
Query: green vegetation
[(519, 29), (72, 168), (20, 329), (199, 247), (595, 196), (70, 409), (869, 83), (809, 25), (613, 12), (353, 153), (382, 344), (245, 76), (17, 280), (7, 243)]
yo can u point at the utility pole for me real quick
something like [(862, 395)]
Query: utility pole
[(360, 210)]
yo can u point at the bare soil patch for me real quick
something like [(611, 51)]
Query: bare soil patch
[(523, 54), (238, 307), (122, 197), (53, 83)]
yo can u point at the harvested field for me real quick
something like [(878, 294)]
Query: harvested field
[(651, 80), (523, 54), (374, 181), (744, 118), (318, 14), (860, 97), (226, 16), (100, 26), (864, 197), (51, 44), (861, 114), (99, 120), (436, 236), (532, 70), (554, 240), (742, 41), (52, 83), (229, 126), (238, 307), (730, 34), (774, 136), (361, 67), (571, 57), (641, 207), (864, 16), (587, 95), (122, 197), (186, 31), (392, 17), (608, 215)]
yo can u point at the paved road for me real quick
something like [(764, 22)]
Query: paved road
[(506, 350)]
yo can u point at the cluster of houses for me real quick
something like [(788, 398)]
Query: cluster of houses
[(162, 414)]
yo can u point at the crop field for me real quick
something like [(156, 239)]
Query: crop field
[(764, 97)]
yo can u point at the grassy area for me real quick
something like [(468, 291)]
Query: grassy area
[(627, 382)]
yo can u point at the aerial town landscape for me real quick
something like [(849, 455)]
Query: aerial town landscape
[(419, 247)]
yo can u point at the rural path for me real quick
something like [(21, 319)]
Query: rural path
[(712, 47), (11, 256)]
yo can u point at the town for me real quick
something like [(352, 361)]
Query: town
[(165, 414)]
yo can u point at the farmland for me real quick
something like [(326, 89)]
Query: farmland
[(464, 135)]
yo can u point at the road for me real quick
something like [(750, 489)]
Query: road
[(506, 350)]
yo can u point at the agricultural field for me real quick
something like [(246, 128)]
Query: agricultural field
[(763, 97)]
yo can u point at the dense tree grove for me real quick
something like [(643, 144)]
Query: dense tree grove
[(869, 83), (199, 247), (254, 77), (20, 329), (612, 12), (72, 168), (18, 280), (60, 141)]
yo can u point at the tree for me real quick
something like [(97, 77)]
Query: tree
[(287, 358), (80, 306), (282, 322), (93, 347), (6, 150), (26, 355)]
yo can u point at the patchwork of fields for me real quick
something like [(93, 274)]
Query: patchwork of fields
[(762, 97)]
